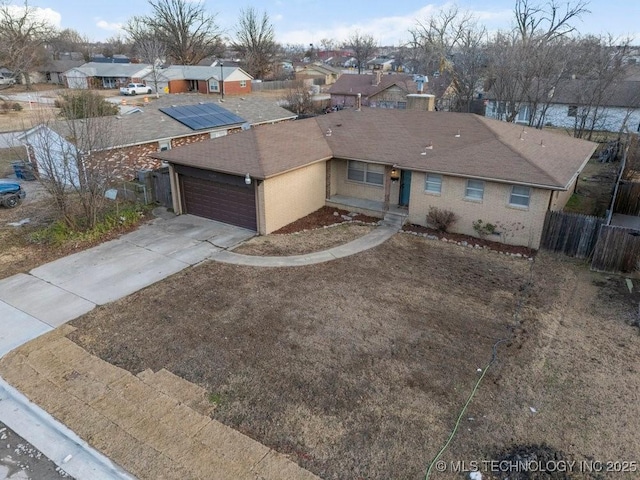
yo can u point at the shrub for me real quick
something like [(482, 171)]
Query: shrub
[(441, 219), (483, 229), (16, 107)]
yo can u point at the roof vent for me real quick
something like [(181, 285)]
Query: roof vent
[(458, 134), (428, 147), (328, 134)]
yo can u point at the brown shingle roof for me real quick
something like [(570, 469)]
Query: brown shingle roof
[(352, 84), (486, 148), (261, 152)]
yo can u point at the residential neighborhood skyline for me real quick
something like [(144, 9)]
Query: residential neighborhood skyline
[(305, 22)]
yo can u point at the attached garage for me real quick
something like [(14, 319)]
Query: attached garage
[(218, 196)]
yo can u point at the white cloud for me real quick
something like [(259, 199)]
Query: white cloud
[(391, 30), (277, 18), (40, 14), (109, 26)]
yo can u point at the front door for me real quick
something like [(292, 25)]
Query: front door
[(405, 187)]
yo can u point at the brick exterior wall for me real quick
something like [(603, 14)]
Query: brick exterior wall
[(125, 162), (352, 189), (521, 226), (230, 88), (234, 88), (178, 86), (293, 195)]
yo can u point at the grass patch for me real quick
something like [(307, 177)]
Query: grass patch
[(573, 204), (215, 399), (113, 221)]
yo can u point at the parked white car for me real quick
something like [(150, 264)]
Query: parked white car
[(135, 89), (6, 79)]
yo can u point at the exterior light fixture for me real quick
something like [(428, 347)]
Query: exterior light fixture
[(247, 179), (395, 174)]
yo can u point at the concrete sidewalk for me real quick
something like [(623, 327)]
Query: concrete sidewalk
[(57, 292), (390, 226)]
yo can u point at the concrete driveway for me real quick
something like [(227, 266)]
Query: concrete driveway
[(57, 292)]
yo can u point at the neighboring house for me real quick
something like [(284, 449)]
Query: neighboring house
[(200, 79), (105, 75), (382, 91), (128, 140), (53, 71), (384, 64), (326, 74), (377, 160), (569, 106)]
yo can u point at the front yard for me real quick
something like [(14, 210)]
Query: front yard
[(358, 368)]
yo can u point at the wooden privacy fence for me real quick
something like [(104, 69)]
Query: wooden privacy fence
[(628, 198), (570, 233), (617, 250), (276, 85)]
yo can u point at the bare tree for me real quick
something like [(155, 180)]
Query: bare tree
[(436, 38), (597, 72), (363, 46), (77, 163), (298, 100), (468, 68), (546, 22), (68, 41), (527, 63), (188, 32), (23, 36), (152, 51), (255, 42), (327, 44), (116, 45)]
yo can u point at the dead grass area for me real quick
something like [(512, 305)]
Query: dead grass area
[(27, 117), (310, 234), (18, 252), (303, 242), (358, 367), (595, 189)]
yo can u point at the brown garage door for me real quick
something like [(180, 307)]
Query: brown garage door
[(222, 201)]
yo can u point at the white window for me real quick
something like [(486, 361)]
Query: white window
[(474, 190), (365, 172), (214, 86), (433, 183), (243, 83), (519, 196)]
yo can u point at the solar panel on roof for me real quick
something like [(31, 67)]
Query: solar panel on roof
[(202, 116)]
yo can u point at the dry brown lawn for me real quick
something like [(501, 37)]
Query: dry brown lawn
[(303, 242), (358, 368)]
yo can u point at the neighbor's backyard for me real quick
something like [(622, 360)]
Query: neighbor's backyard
[(358, 368)]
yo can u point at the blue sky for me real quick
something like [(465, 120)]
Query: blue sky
[(309, 21)]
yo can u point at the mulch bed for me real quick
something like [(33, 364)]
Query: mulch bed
[(470, 241), (324, 217)]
